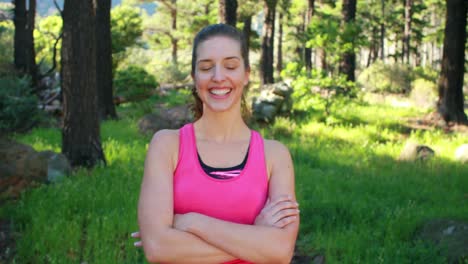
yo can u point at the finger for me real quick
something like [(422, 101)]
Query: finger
[(279, 199), (283, 206), (285, 221), (138, 244), (136, 234), (285, 213)]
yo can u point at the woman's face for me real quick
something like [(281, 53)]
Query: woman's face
[(220, 74)]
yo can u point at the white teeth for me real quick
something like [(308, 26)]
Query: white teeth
[(220, 91)]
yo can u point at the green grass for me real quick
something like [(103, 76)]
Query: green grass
[(358, 203)]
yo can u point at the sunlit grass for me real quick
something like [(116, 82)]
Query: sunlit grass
[(358, 203)]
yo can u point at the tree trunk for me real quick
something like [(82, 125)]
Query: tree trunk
[(104, 60), (175, 40), (451, 102), (382, 32), (348, 61), (247, 31), (227, 12), (279, 60), (80, 135), (24, 52), (320, 54), (268, 33), (308, 51), (407, 31)]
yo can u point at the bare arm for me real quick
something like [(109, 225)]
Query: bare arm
[(161, 241), (258, 244)]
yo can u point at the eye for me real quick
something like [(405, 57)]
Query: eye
[(231, 67), (205, 68)]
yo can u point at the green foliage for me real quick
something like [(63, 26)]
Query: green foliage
[(126, 27), (424, 93), (46, 34), (133, 82), (426, 73), (388, 78), (320, 88), (7, 31), (18, 107), (326, 31)]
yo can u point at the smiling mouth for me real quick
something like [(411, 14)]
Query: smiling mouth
[(222, 91)]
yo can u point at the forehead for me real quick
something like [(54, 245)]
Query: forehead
[(218, 47)]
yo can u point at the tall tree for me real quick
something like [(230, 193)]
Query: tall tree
[(80, 135), (279, 53), (407, 31), (268, 32), (24, 52), (104, 60), (348, 60), (450, 103), (308, 51), (382, 31), (227, 12), (170, 6)]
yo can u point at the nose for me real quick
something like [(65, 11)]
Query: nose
[(218, 74)]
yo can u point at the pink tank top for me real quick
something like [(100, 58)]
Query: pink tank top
[(237, 200)]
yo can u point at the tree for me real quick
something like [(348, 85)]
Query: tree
[(80, 135), (450, 104), (266, 69), (24, 52), (407, 31), (227, 12), (348, 59), (104, 60), (308, 51)]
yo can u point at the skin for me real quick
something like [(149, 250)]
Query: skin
[(220, 77)]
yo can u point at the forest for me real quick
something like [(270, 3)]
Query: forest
[(370, 97)]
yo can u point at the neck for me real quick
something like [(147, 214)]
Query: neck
[(221, 126)]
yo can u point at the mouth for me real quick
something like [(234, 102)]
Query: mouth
[(220, 91)]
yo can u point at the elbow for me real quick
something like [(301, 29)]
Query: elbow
[(152, 252), (282, 255)]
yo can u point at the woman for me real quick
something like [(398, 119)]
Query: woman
[(214, 191)]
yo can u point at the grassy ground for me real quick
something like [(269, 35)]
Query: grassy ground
[(358, 203)]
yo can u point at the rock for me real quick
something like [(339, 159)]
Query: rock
[(450, 235), (413, 151), (21, 166), (461, 153), (165, 118), (58, 166), (274, 99)]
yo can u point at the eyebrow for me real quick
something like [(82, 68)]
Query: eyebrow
[(227, 58)]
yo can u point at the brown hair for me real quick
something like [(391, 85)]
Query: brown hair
[(205, 34)]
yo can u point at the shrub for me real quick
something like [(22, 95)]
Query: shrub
[(423, 93), (133, 82), (18, 107), (387, 78)]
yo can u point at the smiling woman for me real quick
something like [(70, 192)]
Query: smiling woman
[(215, 191)]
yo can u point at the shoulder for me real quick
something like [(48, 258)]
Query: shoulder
[(277, 155), (165, 142), (165, 138), (166, 135), (274, 148)]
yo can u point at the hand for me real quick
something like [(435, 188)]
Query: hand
[(278, 213), (137, 235)]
